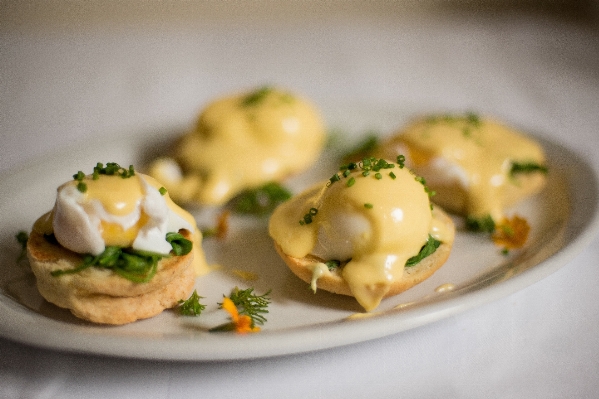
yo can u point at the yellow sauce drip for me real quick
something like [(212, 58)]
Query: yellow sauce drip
[(199, 258)]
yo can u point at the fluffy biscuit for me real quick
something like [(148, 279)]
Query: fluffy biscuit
[(101, 296)]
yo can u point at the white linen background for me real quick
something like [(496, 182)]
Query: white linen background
[(69, 73)]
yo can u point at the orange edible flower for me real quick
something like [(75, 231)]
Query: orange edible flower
[(511, 233), (242, 323)]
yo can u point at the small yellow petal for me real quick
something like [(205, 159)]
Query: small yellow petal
[(230, 307)]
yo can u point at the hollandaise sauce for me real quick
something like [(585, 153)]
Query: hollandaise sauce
[(477, 166), (372, 217), (243, 141)]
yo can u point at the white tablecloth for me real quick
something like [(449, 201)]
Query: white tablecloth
[(68, 74)]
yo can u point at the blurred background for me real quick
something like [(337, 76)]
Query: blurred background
[(74, 70)]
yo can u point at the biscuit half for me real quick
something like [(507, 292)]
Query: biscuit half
[(333, 280), (100, 295)]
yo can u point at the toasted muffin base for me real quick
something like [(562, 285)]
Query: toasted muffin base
[(101, 296), (333, 280)]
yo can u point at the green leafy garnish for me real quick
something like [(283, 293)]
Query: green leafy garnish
[(470, 120), (191, 306), (22, 237), (162, 191), (256, 96), (427, 249), (526, 167), (332, 264), (134, 265), (484, 224), (180, 244), (262, 200), (250, 304), (363, 148)]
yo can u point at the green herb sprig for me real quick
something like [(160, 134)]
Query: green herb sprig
[(526, 167), (471, 121), (191, 306), (363, 148), (22, 237), (257, 96), (250, 304), (484, 224), (260, 201)]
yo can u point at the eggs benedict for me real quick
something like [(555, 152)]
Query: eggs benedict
[(115, 248), (241, 142), (369, 232), (477, 167)]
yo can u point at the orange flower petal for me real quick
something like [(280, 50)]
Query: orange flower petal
[(511, 233), (244, 325), (230, 307)]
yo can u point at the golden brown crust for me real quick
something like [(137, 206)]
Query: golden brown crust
[(334, 282), (101, 296)]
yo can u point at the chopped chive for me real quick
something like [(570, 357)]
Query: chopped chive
[(401, 159), (82, 187), (313, 211), (368, 205), (79, 176), (378, 176), (365, 173), (392, 175), (346, 173), (162, 190), (351, 182)]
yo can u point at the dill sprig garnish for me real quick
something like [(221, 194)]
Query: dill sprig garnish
[(191, 306), (250, 304)]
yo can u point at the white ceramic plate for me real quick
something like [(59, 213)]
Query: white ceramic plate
[(564, 219)]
